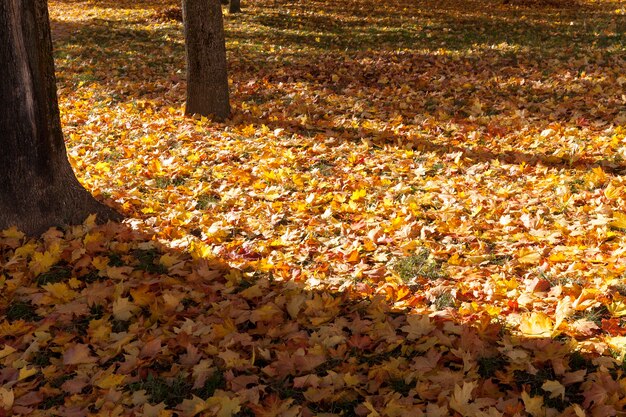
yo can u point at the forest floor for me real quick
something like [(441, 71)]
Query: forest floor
[(417, 208)]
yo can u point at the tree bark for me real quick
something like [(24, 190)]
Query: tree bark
[(235, 6), (207, 78), (38, 188)]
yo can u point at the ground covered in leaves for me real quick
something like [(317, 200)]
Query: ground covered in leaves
[(417, 208)]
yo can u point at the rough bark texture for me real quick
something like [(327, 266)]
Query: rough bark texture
[(207, 79), (38, 188), (235, 6)]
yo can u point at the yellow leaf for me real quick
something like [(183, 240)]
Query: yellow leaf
[(351, 380), (294, 305), (555, 388), (6, 398), (417, 326), (533, 405), (455, 260), (168, 260), (619, 221), (536, 325), (358, 195), (528, 256), (462, 397), (12, 233), (142, 296), (118, 272), (25, 373), (563, 310), (373, 412), (123, 309), (618, 343), (26, 250), (103, 166), (42, 262), (100, 262), (110, 381), (193, 406), (158, 410), (6, 351), (266, 313), (90, 221), (61, 291), (155, 166), (222, 405), (586, 299), (558, 257), (617, 308), (611, 192)]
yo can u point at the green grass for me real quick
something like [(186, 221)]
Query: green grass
[(57, 273), (20, 310), (173, 391), (419, 264)]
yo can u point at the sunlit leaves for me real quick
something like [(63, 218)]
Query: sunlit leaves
[(454, 172)]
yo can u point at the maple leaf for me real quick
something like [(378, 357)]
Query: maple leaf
[(123, 308), (42, 262), (536, 325), (594, 394), (462, 399), (555, 388), (533, 405), (222, 405), (417, 326), (274, 406), (158, 410), (78, 354), (193, 406), (110, 381), (7, 397)]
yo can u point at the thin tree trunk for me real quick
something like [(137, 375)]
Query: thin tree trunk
[(38, 188), (235, 6), (207, 79)]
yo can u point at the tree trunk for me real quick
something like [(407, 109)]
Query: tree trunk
[(38, 188), (207, 79), (235, 6)]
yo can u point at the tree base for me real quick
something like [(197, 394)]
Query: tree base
[(69, 207)]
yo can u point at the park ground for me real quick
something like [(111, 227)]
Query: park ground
[(417, 208)]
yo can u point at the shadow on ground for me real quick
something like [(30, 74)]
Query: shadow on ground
[(121, 324)]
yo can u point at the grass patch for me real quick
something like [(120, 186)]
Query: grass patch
[(401, 386), (20, 310), (420, 264), (214, 382), (160, 390), (173, 391), (149, 261), (444, 300), (57, 273), (205, 200), (489, 365)]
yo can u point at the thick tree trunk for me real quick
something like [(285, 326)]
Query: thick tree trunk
[(207, 79), (38, 188), (235, 6)]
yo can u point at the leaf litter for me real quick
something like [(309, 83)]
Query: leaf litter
[(417, 207)]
